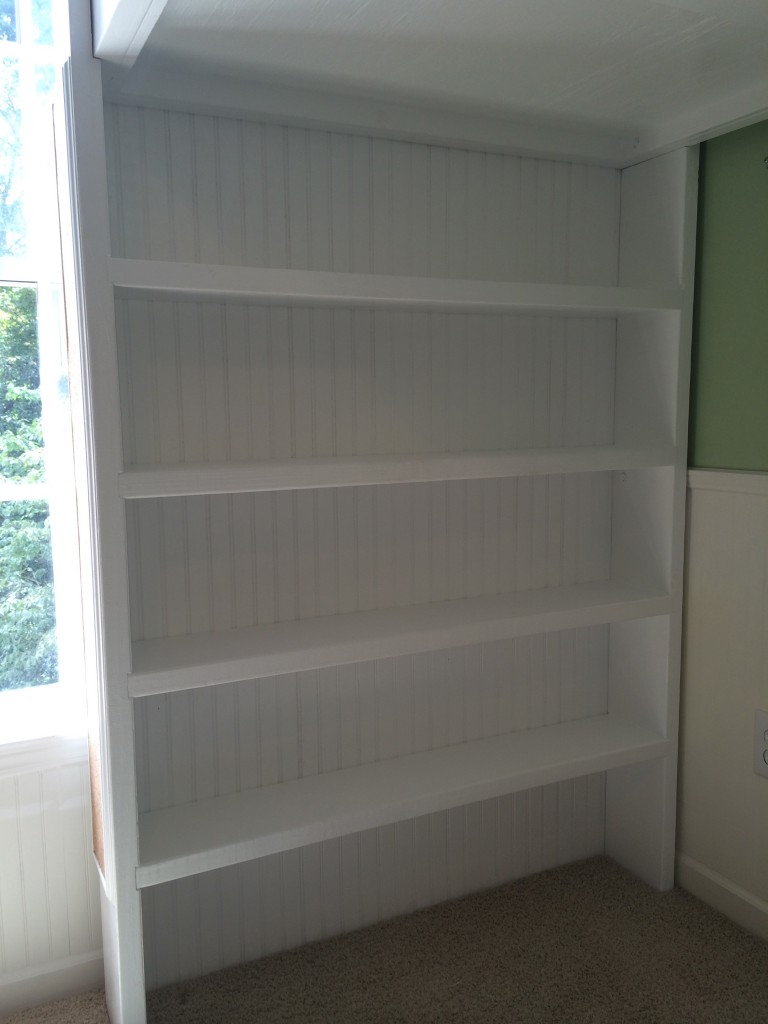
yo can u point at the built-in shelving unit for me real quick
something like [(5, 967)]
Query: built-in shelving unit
[(354, 406)]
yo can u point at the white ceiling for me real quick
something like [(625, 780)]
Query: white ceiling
[(642, 68)]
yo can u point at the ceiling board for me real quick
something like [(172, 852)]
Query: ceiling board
[(632, 68)]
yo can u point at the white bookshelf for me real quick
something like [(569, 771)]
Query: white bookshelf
[(350, 402), (216, 833)]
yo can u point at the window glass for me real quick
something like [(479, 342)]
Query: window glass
[(12, 226), (42, 20), (8, 20), (27, 608)]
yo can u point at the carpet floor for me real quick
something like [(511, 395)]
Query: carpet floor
[(583, 944)]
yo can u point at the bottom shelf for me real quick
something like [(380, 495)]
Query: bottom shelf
[(197, 837)]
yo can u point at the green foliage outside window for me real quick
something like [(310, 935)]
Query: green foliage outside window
[(27, 614)]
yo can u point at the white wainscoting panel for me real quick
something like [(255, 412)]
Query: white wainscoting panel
[(50, 920), (723, 823)]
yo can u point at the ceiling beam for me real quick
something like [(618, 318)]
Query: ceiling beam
[(122, 27)]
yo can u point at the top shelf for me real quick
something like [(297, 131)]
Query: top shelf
[(199, 281)]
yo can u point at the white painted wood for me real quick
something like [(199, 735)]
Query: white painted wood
[(296, 474), (50, 919), (641, 800), (404, 209), (653, 222), (347, 883), (270, 730), (283, 382), (327, 110), (40, 754), (178, 841), (725, 640), (148, 278), (729, 480), (399, 546), (207, 659), (61, 979), (301, 314), (627, 70), (122, 27), (727, 112), (739, 904), (93, 369)]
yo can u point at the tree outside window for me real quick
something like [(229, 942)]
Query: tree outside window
[(28, 61)]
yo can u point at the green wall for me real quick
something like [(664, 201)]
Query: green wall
[(729, 399)]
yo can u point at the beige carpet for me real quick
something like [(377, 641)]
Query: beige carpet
[(584, 944)]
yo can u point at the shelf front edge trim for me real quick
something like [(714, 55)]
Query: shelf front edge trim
[(158, 278)]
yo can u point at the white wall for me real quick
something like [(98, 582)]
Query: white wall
[(50, 924), (723, 818)]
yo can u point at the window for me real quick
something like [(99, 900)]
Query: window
[(38, 548)]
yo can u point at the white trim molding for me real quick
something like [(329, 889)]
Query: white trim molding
[(39, 755), (734, 480), (741, 906), (46, 982)]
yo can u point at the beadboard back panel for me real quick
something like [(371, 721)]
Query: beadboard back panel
[(219, 918), (203, 382), (223, 561), (49, 899), (212, 742), (221, 190)]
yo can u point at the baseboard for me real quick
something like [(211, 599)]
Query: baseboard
[(54, 980), (747, 910)]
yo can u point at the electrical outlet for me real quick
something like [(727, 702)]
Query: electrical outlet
[(761, 743)]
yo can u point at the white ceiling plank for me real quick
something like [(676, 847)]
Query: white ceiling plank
[(465, 128), (612, 82), (122, 27)]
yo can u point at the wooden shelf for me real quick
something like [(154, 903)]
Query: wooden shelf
[(199, 281), (206, 659), (196, 837), (165, 481)]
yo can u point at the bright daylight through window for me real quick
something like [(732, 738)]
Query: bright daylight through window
[(36, 542)]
